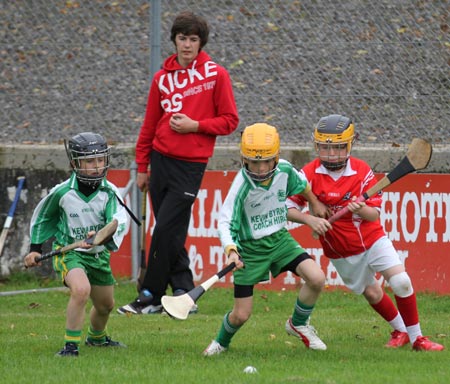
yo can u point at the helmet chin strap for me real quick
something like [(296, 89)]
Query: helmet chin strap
[(334, 166), (257, 177), (88, 183)]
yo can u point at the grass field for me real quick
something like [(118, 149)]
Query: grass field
[(163, 350)]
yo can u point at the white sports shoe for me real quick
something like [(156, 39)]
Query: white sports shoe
[(307, 334), (214, 348)]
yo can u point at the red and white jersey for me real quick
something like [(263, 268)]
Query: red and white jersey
[(350, 234)]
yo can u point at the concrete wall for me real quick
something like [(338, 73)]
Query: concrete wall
[(46, 165)]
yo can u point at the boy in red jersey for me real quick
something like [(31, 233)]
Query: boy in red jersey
[(357, 244), (190, 103)]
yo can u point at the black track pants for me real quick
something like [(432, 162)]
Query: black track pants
[(174, 185)]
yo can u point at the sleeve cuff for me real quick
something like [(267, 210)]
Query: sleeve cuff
[(142, 168), (36, 248), (307, 188)]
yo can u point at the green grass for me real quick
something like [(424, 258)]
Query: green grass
[(163, 350)]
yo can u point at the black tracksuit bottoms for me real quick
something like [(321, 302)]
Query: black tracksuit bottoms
[(173, 187)]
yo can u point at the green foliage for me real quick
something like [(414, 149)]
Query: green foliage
[(163, 350)]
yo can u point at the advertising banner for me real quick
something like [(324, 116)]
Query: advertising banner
[(415, 215)]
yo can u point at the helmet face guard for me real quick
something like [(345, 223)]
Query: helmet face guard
[(256, 176), (260, 142), (89, 157), (333, 139)]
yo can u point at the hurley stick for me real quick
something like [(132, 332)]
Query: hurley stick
[(143, 257), (12, 209), (100, 238), (417, 157), (179, 306)]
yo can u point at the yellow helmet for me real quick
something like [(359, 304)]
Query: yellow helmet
[(334, 130), (260, 142)]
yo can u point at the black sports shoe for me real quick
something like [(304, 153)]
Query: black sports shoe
[(144, 304), (107, 343), (70, 349)]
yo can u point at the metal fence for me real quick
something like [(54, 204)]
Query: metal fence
[(73, 65)]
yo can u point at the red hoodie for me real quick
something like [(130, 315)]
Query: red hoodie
[(202, 91)]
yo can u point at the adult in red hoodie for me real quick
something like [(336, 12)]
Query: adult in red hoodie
[(190, 103)]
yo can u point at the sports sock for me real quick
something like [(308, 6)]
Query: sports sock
[(407, 306), (96, 336), (72, 337), (226, 332), (301, 313), (388, 311)]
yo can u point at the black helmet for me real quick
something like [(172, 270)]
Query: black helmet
[(334, 131), (88, 146)]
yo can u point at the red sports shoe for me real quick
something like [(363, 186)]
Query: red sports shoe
[(398, 339), (422, 343)]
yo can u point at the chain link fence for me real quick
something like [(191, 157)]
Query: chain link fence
[(70, 66)]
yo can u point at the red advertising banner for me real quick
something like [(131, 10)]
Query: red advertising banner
[(415, 215)]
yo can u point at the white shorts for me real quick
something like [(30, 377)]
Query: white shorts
[(358, 271)]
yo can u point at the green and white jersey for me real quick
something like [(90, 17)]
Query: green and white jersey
[(68, 215), (252, 211)]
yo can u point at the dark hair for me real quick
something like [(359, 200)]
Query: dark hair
[(188, 23)]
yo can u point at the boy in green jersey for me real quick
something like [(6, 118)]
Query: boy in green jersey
[(73, 211), (252, 229)]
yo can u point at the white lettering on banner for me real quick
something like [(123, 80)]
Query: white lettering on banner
[(427, 206), (446, 200), (394, 210), (201, 230), (429, 199), (196, 263), (392, 215), (217, 257), (197, 226), (410, 237), (289, 279)]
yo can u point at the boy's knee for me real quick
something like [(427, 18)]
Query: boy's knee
[(318, 283), (401, 285), (239, 317), (80, 293), (316, 280)]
